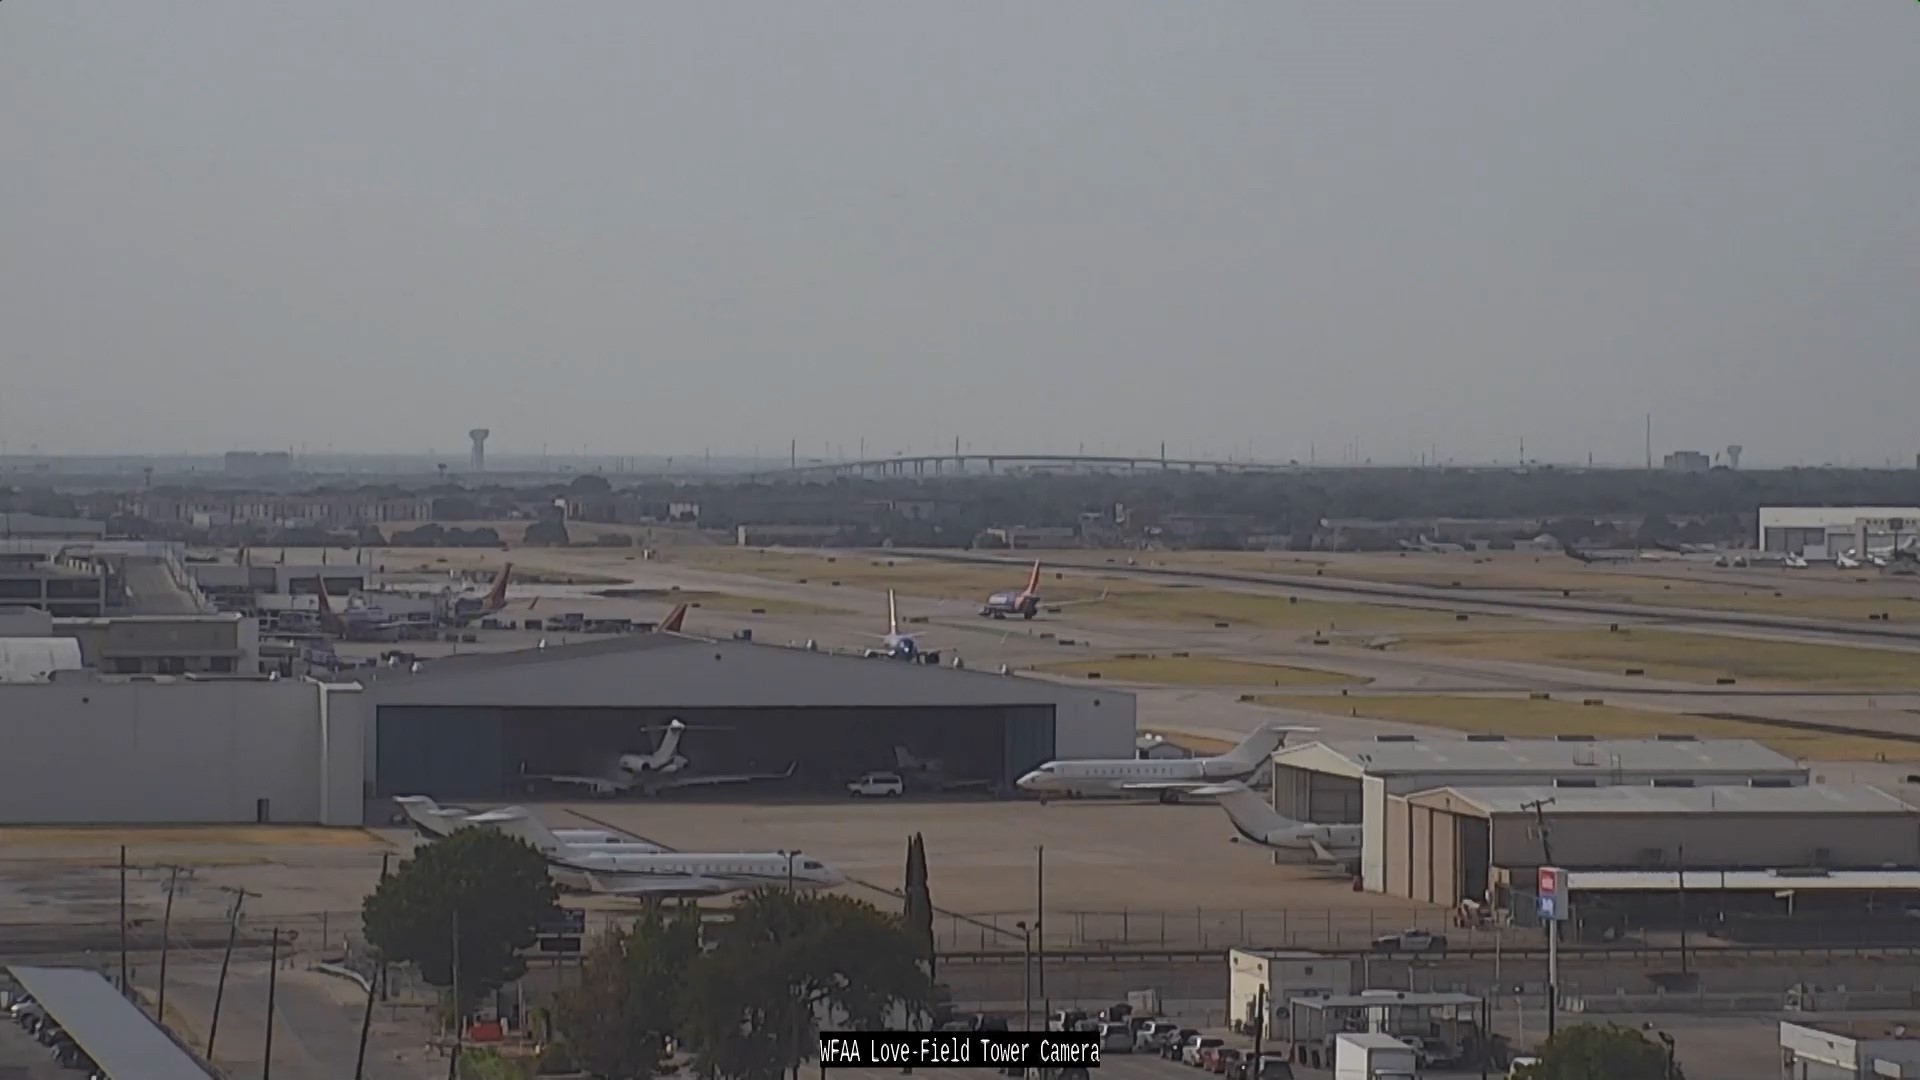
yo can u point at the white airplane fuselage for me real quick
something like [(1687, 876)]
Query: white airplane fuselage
[(1122, 776)]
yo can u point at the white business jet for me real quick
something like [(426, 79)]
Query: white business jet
[(1257, 822), (661, 873), (433, 821), (1168, 779)]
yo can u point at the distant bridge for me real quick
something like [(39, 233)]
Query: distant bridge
[(991, 463)]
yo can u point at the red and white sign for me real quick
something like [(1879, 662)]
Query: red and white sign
[(1549, 881)]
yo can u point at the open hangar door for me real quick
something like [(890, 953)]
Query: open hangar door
[(475, 752)]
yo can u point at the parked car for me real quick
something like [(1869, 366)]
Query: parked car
[(1222, 1059), (1116, 1038), (1198, 1045), (1265, 1067), (1176, 1044), (1066, 1020), (1152, 1035), (1410, 941), (1520, 1067), (878, 785)]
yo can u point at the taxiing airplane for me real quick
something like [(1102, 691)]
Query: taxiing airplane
[(661, 874), (1026, 602), (356, 623), (1167, 778), (1256, 821), (469, 607), (900, 646), (433, 822)]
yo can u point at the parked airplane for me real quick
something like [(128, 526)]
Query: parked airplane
[(901, 646), (356, 623), (1256, 821), (1846, 561), (1794, 562), (433, 821), (1169, 779), (628, 768), (1026, 602), (665, 873), (469, 607), (653, 774), (1432, 547)]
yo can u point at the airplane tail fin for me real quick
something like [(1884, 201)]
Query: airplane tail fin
[(670, 745), (1033, 578), (1256, 747), (522, 825), (675, 619), (497, 599), (1251, 814), (420, 811), (893, 614)]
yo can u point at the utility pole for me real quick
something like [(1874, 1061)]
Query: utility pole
[(1040, 921), (366, 1024), (273, 980), (453, 1056), (1681, 857), (1539, 808), (226, 959), (124, 989), (166, 928)]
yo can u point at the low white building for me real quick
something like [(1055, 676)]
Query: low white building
[(1283, 974), (1821, 532), (1829, 1051)]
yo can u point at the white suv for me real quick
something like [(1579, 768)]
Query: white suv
[(877, 785)]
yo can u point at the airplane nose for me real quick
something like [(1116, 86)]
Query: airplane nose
[(1029, 781)]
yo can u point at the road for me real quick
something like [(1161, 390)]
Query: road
[(316, 1027)]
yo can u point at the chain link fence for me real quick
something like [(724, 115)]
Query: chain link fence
[(1202, 928)]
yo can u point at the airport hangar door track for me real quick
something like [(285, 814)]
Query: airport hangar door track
[(481, 752)]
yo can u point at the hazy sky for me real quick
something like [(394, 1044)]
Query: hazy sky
[(651, 227)]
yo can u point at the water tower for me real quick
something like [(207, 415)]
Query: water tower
[(1733, 456), (478, 460)]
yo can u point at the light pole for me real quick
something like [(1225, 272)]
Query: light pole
[(1026, 975), (791, 855)]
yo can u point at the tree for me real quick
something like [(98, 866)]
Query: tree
[(751, 1002), (616, 1021), (488, 889), (918, 916), (1617, 1053)]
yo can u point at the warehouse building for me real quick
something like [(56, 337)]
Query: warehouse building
[(1477, 842), (1821, 532), (1351, 781), (83, 749), (477, 726)]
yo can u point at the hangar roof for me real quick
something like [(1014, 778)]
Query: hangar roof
[(1643, 799), (1390, 757), (676, 671)]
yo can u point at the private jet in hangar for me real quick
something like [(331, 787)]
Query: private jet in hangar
[(662, 874), (1168, 779), (649, 774)]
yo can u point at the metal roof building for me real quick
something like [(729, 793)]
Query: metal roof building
[(107, 1027), (1459, 843), (471, 726), (1352, 780)]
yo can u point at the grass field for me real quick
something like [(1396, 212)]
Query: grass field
[(1544, 719), (1198, 671), (1125, 598), (1669, 654), (1807, 594), (718, 601)]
